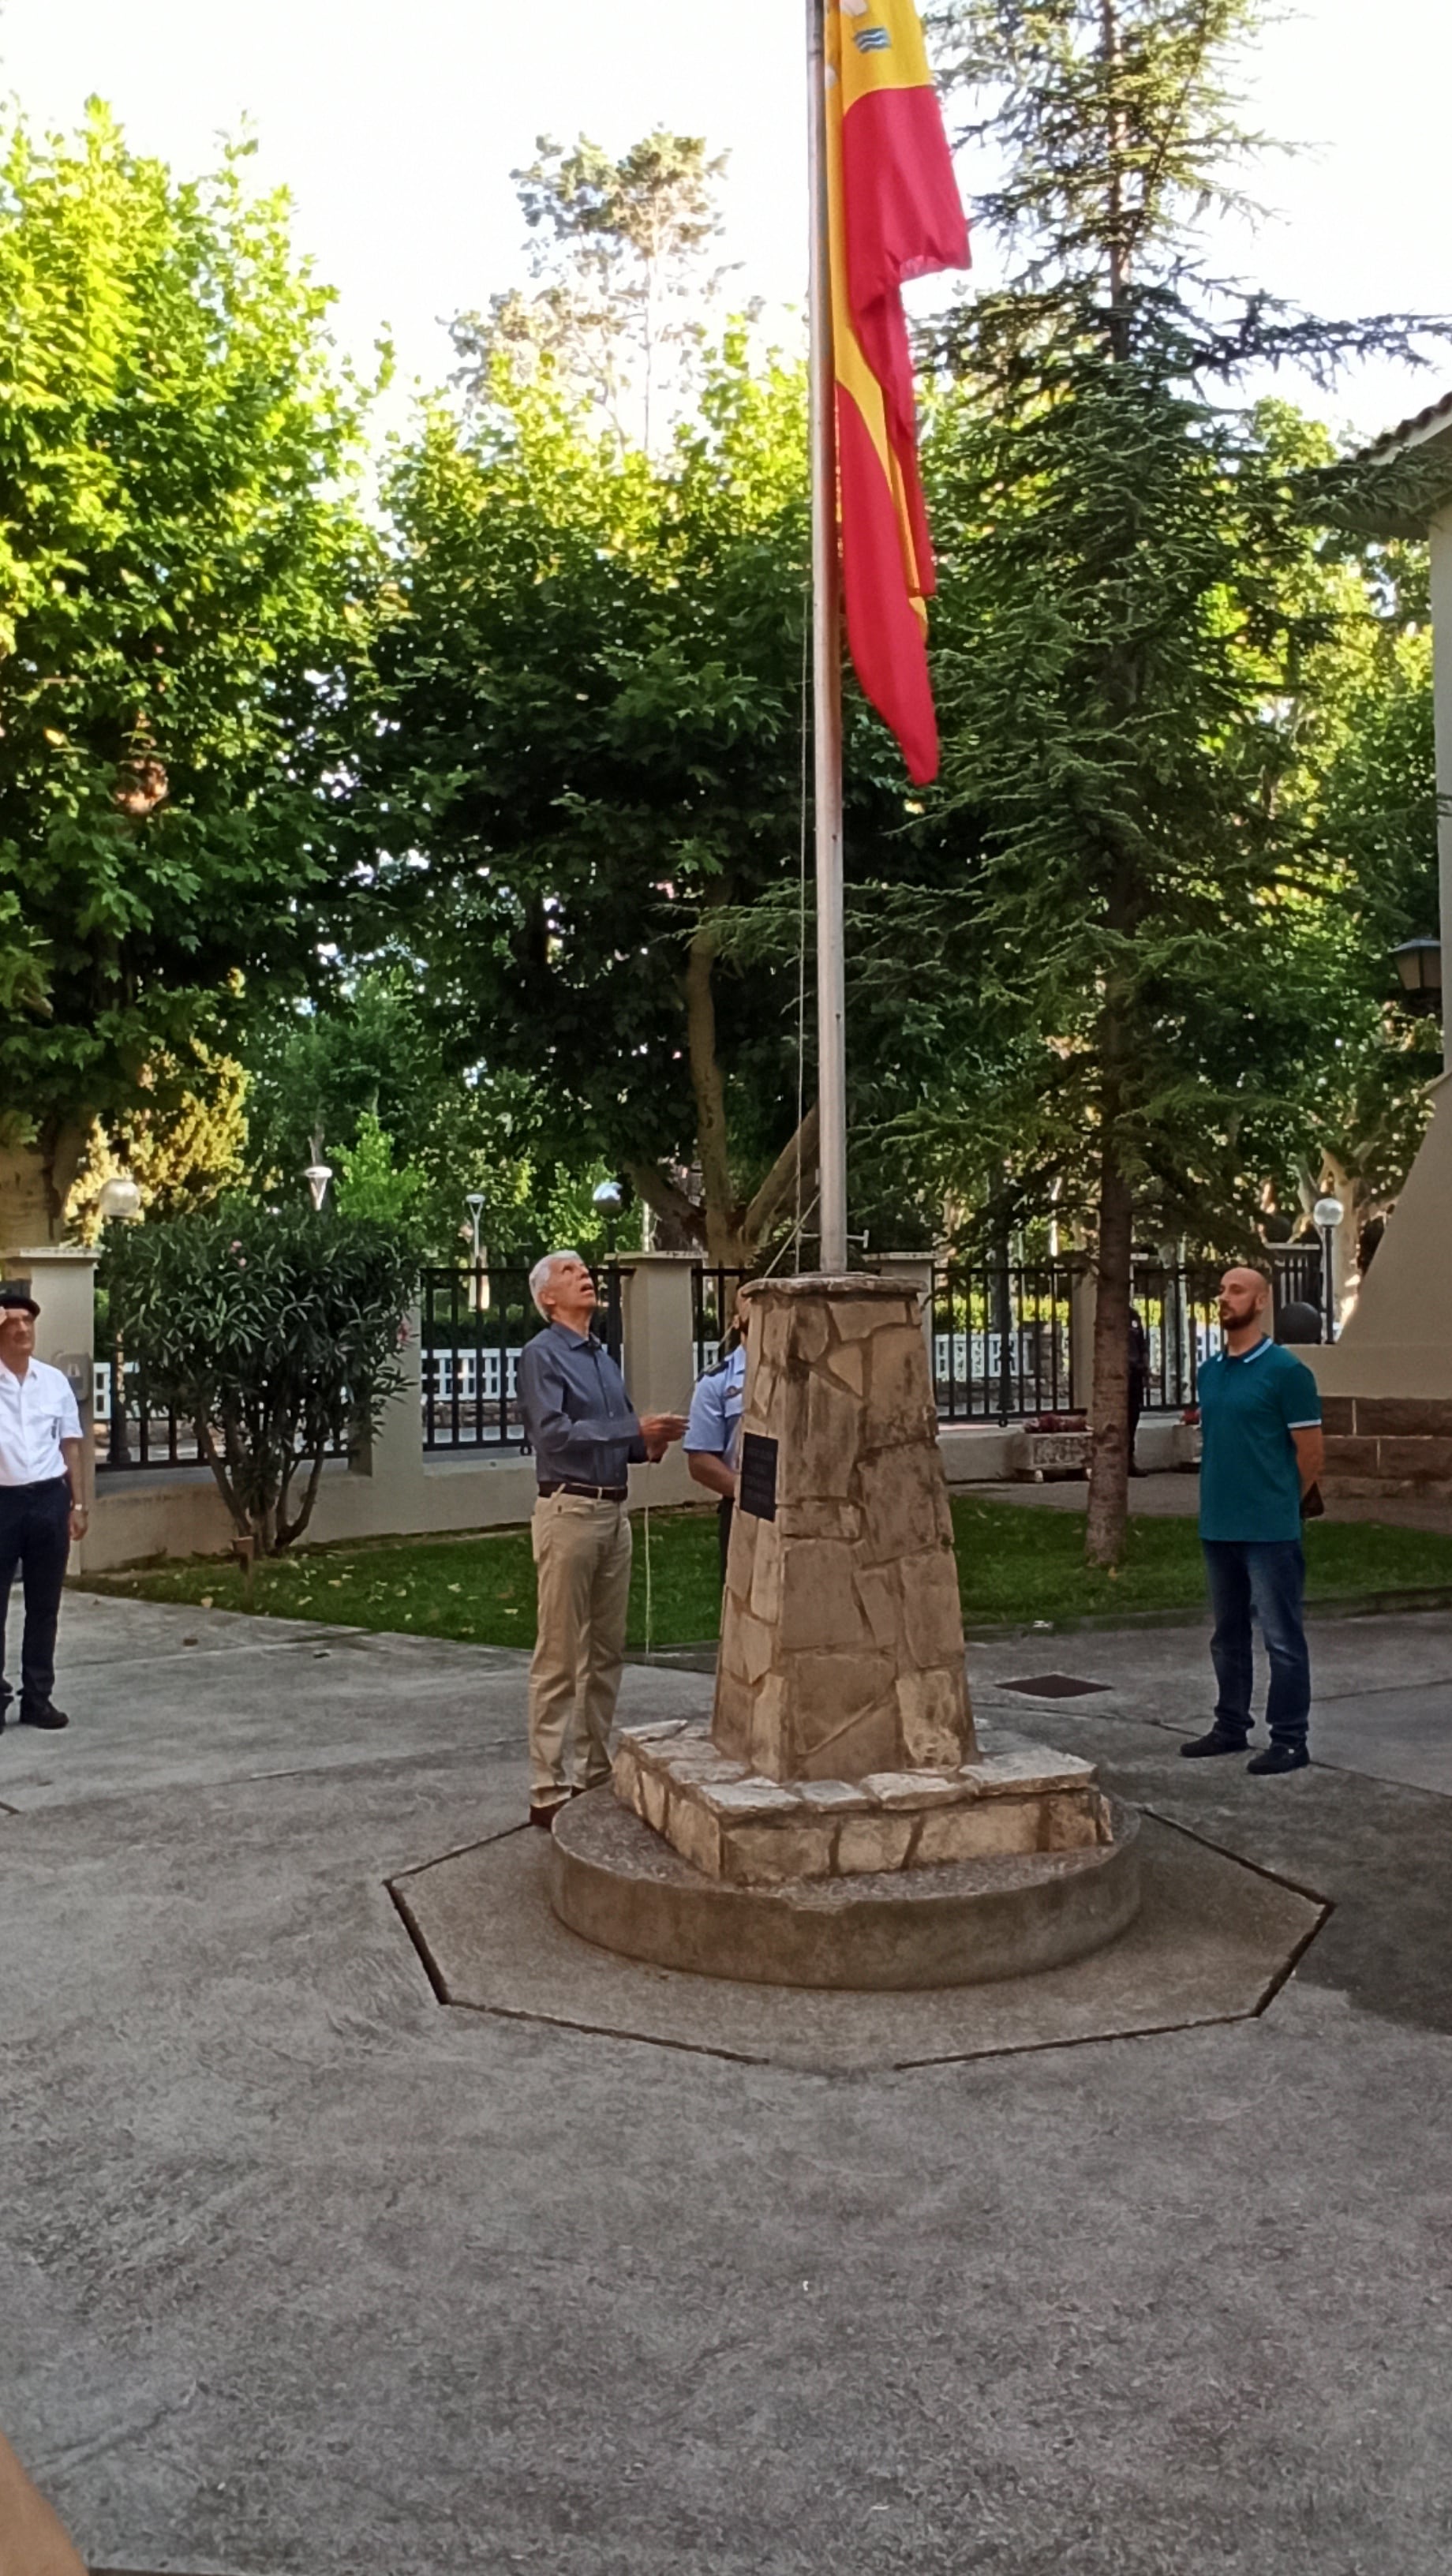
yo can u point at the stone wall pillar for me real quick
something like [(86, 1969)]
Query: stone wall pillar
[(1083, 1299), (660, 1349), (394, 1454), (842, 1638), (27, 1209)]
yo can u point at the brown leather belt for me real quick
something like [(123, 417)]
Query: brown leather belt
[(592, 1493)]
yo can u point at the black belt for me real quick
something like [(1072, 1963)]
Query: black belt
[(592, 1493)]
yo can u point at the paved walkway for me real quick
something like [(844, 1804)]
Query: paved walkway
[(303, 2274)]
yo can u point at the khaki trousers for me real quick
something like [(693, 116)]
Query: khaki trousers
[(582, 1560)]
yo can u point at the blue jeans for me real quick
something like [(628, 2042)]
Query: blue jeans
[(35, 1542), (1267, 1576)]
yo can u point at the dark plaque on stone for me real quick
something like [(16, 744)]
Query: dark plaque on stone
[(756, 1490)]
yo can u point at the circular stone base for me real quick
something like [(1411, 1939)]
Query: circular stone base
[(623, 1887)]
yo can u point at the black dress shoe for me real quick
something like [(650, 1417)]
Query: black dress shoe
[(1280, 1757), (1214, 1742), (47, 1715), (544, 1817)]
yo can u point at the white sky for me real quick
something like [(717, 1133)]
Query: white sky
[(395, 124)]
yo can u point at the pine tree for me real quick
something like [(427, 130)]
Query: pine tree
[(1130, 603)]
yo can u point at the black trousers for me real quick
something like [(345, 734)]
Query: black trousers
[(724, 1510), (1136, 1408), (35, 1538)]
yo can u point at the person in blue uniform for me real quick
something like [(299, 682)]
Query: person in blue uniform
[(1260, 1415), (713, 1426)]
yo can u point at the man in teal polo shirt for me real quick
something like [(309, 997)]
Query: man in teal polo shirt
[(1260, 1413)]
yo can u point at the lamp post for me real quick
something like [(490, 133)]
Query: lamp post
[(1326, 1215), (119, 1201), (317, 1175), (474, 1202), (119, 1197), (607, 1199)]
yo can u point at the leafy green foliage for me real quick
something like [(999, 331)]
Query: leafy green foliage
[(370, 1182), (376, 1051), (182, 1139), (1141, 642), (615, 252), (276, 1333), (178, 549), (590, 739)]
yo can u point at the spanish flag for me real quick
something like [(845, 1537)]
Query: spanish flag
[(895, 214)]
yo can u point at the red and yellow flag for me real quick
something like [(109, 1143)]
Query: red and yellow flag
[(895, 214)]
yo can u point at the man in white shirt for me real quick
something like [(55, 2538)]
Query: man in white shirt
[(42, 1506)]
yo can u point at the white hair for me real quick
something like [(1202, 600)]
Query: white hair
[(539, 1277)]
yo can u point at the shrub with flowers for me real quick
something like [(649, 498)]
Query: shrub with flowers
[(276, 1332)]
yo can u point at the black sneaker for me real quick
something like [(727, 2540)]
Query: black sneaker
[(1200, 1745), (1280, 1757), (48, 1715)]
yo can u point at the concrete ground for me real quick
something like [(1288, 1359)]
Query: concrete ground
[(302, 2271)]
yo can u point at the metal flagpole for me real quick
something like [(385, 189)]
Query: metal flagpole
[(826, 676)]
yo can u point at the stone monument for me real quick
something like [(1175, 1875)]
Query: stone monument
[(841, 1769)]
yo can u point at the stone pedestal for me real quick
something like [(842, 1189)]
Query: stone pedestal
[(841, 1635), (842, 1745)]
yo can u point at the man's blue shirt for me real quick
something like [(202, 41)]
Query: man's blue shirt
[(1250, 1482), (576, 1412), (715, 1418)]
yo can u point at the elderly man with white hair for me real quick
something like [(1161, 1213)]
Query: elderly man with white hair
[(584, 1435)]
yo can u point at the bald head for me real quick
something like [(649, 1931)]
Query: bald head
[(1245, 1297)]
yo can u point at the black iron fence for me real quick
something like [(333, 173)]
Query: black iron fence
[(1002, 1339), (713, 1297), (474, 1325), (132, 1428), (1004, 1347)]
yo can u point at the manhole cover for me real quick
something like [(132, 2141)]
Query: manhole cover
[(1053, 1686)]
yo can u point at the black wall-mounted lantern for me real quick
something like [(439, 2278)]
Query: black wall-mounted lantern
[(1419, 964)]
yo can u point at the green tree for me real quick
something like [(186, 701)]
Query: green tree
[(179, 551), (587, 763), (371, 1182), (1131, 612), (276, 1333), (370, 1057), (182, 1139), (616, 251)]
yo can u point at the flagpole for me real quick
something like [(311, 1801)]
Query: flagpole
[(826, 676)]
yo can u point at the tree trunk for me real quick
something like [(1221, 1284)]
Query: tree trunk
[(1109, 1410), (207, 1449), (669, 1205), (35, 1185), (288, 1530), (787, 1179)]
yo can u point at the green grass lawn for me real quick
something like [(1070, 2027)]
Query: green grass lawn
[(1014, 1564)]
